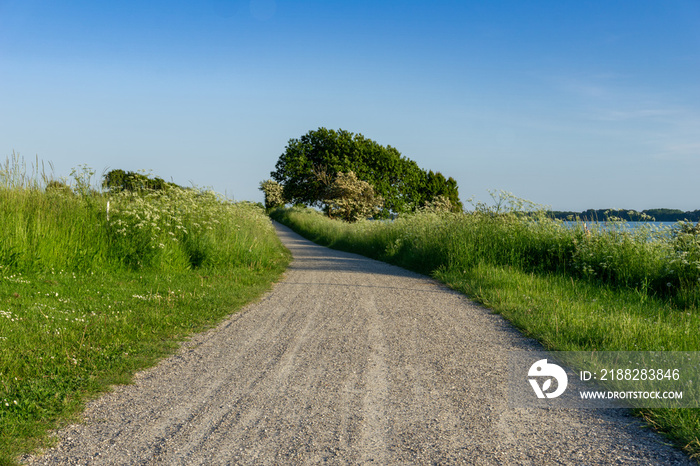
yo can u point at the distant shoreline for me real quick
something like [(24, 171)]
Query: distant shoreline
[(658, 215)]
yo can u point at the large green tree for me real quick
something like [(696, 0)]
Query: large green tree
[(309, 165)]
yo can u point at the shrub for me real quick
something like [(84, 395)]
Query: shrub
[(438, 204), (119, 180), (351, 199), (273, 194), (56, 186)]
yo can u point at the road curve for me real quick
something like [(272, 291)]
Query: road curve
[(346, 361)]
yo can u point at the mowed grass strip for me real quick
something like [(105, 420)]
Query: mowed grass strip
[(90, 294), (66, 337), (564, 307)]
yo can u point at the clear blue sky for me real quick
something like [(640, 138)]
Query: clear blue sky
[(573, 104)]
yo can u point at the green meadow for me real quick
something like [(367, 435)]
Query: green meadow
[(95, 285), (574, 287)]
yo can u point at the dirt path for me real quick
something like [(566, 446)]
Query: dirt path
[(346, 361)]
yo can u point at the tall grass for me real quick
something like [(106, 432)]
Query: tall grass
[(574, 287), (653, 262), (77, 228), (95, 285)]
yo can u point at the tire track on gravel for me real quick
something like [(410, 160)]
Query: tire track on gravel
[(346, 361)]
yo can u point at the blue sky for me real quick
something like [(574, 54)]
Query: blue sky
[(571, 104)]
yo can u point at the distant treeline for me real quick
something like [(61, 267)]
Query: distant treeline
[(658, 215)]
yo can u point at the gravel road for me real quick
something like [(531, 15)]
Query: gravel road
[(346, 361)]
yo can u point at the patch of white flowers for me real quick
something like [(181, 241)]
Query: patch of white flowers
[(16, 279), (10, 316), (168, 214), (173, 224)]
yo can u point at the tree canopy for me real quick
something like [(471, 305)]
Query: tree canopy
[(310, 164)]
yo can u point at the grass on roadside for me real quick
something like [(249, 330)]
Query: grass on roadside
[(68, 336), (546, 281)]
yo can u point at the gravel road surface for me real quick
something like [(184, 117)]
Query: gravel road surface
[(346, 361)]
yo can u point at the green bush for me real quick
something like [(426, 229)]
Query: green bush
[(274, 196)]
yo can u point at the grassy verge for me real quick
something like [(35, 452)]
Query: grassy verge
[(91, 294), (547, 281)]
